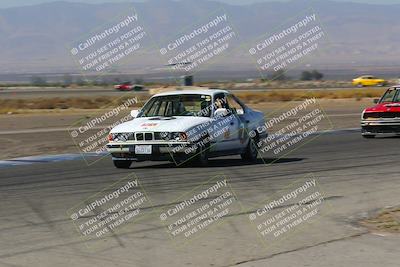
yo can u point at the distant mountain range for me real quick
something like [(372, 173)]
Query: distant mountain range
[(37, 38)]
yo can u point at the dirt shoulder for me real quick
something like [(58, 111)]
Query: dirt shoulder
[(387, 220)]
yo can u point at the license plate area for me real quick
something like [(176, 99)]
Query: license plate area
[(143, 149)]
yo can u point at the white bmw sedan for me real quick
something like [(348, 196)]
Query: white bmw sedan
[(187, 126)]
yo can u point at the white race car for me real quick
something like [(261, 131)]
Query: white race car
[(189, 125)]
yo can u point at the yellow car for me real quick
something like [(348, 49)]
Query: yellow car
[(368, 80)]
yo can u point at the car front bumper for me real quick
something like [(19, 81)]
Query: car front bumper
[(159, 150), (381, 126)]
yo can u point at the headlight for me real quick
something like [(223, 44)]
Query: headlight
[(120, 137), (183, 137), (174, 136)]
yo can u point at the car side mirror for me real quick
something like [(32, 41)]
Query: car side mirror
[(135, 113), (376, 101), (221, 112)]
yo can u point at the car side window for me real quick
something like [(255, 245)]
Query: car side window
[(220, 101), (234, 105)]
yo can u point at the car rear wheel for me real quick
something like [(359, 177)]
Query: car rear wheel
[(360, 85), (251, 152), (122, 164)]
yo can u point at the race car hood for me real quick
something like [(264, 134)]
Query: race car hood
[(160, 124), (384, 107)]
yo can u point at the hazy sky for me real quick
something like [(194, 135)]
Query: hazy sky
[(13, 3)]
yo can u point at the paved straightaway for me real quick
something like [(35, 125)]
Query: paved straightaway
[(358, 177)]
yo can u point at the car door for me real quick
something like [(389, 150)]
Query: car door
[(370, 81), (375, 81), (225, 129), (243, 118)]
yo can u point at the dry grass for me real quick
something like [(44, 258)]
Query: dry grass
[(19, 105), (387, 221), (290, 84), (290, 95)]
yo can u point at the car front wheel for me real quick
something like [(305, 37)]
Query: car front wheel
[(122, 164), (203, 148)]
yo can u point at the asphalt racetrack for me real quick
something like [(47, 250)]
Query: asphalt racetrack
[(358, 177)]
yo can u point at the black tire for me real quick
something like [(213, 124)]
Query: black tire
[(368, 136), (201, 158), (251, 152), (122, 164), (360, 85)]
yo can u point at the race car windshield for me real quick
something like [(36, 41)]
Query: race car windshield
[(178, 105), (391, 96)]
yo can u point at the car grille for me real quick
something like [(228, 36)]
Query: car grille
[(139, 136), (144, 136), (384, 115), (381, 129), (124, 136)]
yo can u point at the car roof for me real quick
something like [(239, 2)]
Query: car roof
[(193, 92)]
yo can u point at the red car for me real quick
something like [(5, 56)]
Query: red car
[(384, 117), (127, 86)]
